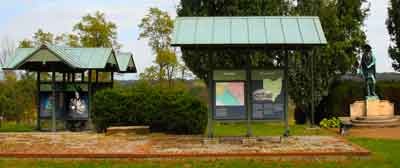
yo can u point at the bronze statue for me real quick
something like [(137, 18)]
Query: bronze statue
[(368, 71)]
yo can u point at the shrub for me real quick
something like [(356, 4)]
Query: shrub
[(163, 109), (343, 93), (330, 123)]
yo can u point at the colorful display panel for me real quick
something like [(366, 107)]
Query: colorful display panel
[(72, 105), (267, 95), (230, 101)]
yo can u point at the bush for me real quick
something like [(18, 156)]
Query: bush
[(344, 93), (163, 109), (330, 123)]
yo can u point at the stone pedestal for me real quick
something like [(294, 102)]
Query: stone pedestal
[(373, 113), (372, 108)]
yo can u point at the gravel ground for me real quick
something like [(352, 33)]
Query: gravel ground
[(92, 143)]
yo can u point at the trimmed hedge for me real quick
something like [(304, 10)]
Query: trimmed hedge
[(163, 109), (343, 93)]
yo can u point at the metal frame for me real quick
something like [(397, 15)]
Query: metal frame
[(248, 98)]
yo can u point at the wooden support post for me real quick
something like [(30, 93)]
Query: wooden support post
[(38, 127), (286, 96), (112, 79), (97, 76), (63, 77), (53, 115)]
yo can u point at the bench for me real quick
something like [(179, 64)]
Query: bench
[(345, 125), (141, 130)]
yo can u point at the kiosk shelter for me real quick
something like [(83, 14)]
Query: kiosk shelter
[(248, 94), (67, 79)]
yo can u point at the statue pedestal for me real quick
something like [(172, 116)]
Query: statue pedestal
[(371, 108), (373, 113)]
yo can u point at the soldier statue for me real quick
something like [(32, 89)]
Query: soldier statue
[(368, 71)]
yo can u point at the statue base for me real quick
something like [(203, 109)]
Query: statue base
[(373, 112)]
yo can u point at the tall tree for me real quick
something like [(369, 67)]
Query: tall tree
[(342, 21), (157, 26), (393, 25), (95, 31)]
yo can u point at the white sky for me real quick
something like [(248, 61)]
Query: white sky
[(19, 19)]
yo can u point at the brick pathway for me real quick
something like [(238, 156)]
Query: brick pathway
[(384, 133), (98, 145)]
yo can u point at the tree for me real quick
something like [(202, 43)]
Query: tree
[(96, 31), (341, 20), (157, 26), (70, 40), (393, 26), (26, 43), (39, 37), (150, 74)]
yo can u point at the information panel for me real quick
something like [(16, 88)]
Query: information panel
[(68, 104), (267, 95), (229, 101)]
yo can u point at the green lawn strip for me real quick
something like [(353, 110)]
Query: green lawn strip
[(266, 129), (14, 127)]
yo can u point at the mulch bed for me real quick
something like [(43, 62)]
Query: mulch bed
[(92, 145)]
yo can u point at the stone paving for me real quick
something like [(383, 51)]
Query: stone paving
[(92, 144)]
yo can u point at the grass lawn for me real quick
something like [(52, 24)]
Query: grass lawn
[(265, 129), (385, 154), (14, 127)]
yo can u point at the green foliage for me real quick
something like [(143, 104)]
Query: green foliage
[(393, 26), (344, 93), (330, 123), (18, 99), (96, 31), (157, 26), (166, 110), (92, 31)]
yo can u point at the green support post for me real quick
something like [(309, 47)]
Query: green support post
[(286, 96), (312, 91), (211, 98), (38, 101), (90, 98), (248, 95), (53, 115)]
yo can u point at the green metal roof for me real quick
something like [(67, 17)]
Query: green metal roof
[(253, 30), (126, 62), (76, 58)]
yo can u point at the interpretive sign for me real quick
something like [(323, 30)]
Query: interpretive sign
[(267, 94), (229, 95)]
